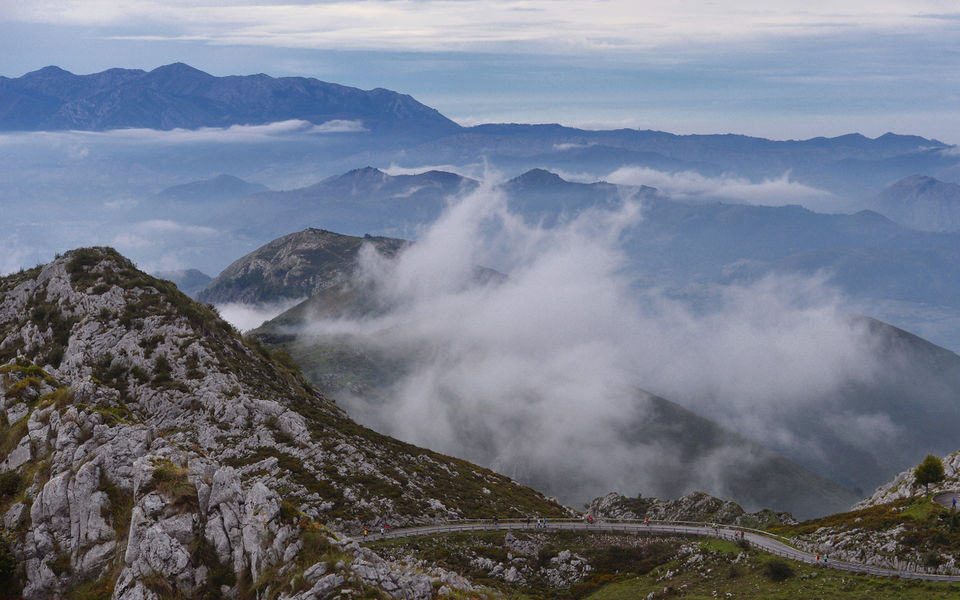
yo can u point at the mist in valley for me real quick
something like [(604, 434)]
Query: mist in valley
[(541, 374)]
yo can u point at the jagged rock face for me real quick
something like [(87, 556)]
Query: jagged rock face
[(151, 451), (298, 265), (696, 506)]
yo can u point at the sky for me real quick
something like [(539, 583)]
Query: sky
[(773, 68)]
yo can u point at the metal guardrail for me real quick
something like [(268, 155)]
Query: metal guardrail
[(764, 540)]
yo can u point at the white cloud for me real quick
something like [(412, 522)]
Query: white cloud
[(550, 25), (250, 316), (338, 126), (692, 186), (158, 232), (121, 203), (278, 131), (570, 146), (530, 375)]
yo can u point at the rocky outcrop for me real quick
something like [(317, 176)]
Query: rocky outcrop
[(884, 548), (298, 265), (904, 485), (695, 506), (150, 450)]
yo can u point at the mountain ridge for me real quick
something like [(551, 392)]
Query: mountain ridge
[(149, 451), (180, 96)]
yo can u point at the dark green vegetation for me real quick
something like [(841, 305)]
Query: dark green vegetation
[(929, 471)]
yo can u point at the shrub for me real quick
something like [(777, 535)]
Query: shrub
[(931, 559), (9, 483), (172, 481), (929, 471), (8, 560), (161, 370), (61, 564), (777, 569)]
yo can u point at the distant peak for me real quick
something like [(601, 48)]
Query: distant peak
[(364, 172), (223, 177), (539, 177), (177, 68), (918, 178), (48, 71), (918, 182)]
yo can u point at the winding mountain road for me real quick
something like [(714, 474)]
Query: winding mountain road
[(757, 538)]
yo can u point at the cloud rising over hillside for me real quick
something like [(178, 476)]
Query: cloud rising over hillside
[(533, 374)]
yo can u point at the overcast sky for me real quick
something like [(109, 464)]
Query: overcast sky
[(775, 68)]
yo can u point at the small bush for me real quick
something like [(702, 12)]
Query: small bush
[(777, 569), (55, 356), (61, 564), (289, 513), (931, 559), (8, 562), (161, 370), (9, 484), (172, 481)]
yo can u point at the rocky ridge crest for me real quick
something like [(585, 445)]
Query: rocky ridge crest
[(149, 452), (298, 265)]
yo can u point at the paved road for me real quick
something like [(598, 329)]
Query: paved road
[(946, 498), (757, 538)]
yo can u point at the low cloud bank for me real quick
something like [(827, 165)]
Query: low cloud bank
[(277, 131), (691, 186), (532, 374)]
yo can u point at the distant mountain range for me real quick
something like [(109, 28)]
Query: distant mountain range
[(411, 134), (180, 96), (865, 253), (676, 244), (219, 188)]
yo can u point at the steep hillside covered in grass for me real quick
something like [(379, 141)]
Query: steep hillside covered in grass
[(151, 452)]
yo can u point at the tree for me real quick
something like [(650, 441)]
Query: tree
[(929, 471)]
